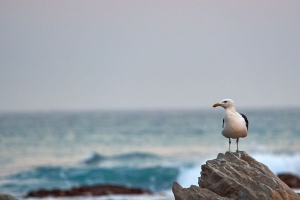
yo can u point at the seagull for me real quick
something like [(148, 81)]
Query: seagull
[(235, 125)]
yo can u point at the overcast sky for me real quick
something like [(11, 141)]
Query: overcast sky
[(133, 54)]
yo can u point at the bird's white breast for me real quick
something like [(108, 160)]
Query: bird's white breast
[(234, 126)]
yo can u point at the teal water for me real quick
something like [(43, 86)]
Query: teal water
[(149, 149)]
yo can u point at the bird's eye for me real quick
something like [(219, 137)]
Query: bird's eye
[(225, 101)]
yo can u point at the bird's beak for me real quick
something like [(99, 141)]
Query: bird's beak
[(216, 105)]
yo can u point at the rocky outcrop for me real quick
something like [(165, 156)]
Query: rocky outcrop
[(7, 197), (291, 180), (96, 190), (235, 176)]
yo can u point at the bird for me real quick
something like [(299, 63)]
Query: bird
[(235, 125)]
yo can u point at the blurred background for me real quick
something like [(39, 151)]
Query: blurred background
[(121, 92)]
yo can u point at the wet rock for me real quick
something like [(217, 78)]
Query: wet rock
[(7, 197), (96, 190), (235, 176), (291, 180)]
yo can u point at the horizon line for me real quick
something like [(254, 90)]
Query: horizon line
[(137, 109)]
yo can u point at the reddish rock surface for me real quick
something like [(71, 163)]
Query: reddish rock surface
[(96, 190), (291, 180)]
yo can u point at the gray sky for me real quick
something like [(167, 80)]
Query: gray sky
[(85, 55)]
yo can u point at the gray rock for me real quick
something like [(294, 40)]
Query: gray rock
[(7, 197), (194, 192), (235, 176)]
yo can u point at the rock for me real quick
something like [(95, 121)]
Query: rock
[(235, 176), (291, 180), (7, 197), (194, 192), (96, 190)]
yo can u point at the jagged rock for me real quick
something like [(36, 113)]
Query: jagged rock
[(291, 180), (194, 192), (235, 176), (96, 190)]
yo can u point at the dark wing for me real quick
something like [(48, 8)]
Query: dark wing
[(246, 120), (223, 123)]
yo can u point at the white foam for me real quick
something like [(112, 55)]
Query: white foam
[(280, 163), (189, 176), (92, 158), (162, 196)]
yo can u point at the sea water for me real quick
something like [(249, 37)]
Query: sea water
[(147, 149)]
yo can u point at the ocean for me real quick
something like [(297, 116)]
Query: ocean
[(147, 149)]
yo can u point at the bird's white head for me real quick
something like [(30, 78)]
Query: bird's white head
[(225, 103)]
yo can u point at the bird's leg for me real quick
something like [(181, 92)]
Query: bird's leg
[(229, 144), (237, 145)]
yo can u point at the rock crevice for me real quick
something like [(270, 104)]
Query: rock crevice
[(235, 176)]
